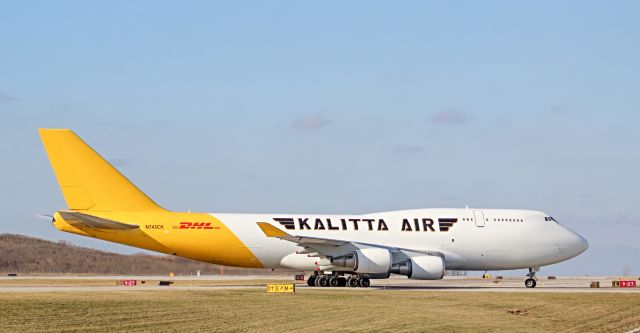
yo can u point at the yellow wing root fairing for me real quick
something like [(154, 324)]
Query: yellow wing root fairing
[(271, 231)]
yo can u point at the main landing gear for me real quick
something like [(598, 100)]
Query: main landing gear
[(353, 281), (531, 281)]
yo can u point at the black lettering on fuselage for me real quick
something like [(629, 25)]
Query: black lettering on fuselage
[(382, 225), (405, 225), (286, 222), (369, 222), (302, 223), (331, 227), (419, 224), (355, 223), (427, 224)]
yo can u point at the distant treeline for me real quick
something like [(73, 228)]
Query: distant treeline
[(28, 255)]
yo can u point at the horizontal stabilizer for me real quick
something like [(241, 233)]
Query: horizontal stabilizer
[(87, 221)]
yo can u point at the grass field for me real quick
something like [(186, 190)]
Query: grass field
[(150, 282), (316, 310)]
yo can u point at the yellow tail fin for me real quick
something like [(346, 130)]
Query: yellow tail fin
[(88, 181)]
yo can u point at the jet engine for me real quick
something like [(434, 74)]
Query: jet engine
[(367, 261), (420, 268)]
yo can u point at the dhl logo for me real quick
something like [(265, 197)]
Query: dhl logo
[(195, 225)]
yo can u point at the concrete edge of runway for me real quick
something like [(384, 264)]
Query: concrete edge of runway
[(449, 284)]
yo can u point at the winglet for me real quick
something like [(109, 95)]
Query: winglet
[(271, 231)]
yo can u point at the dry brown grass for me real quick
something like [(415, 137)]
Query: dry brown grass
[(316, 310), (55, 282)]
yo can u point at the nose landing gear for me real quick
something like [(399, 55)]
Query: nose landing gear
[(531, 281)]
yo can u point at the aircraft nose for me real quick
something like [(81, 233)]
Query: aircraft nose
[(583, 244), (575, 244)]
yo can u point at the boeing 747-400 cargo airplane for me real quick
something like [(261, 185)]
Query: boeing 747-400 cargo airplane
[(340, 250)]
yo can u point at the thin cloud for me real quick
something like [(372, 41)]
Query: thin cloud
[(560, 108), (312, 121), (407, 149), (6, 98), (502, 121), (451, 117)]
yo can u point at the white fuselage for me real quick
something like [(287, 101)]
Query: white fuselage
[(469, 239)]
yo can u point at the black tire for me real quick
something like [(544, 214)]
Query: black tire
[(530, 283), (364, 283), (342, 282), (311, 282), (352, 282), (322, 281), (333, 281)]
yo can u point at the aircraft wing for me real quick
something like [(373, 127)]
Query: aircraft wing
[(93, 222), (327, 247)]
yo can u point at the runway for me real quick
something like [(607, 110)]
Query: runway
[(209, 283)]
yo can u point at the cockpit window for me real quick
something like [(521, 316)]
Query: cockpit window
[(549, 218)]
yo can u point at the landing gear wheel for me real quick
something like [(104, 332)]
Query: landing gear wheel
[(322, 281), (333, 281), (342, 282), (364, 283), (311, 282), (530, 283), (352, 282)]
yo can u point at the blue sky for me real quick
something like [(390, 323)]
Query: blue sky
[(335, 107)]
